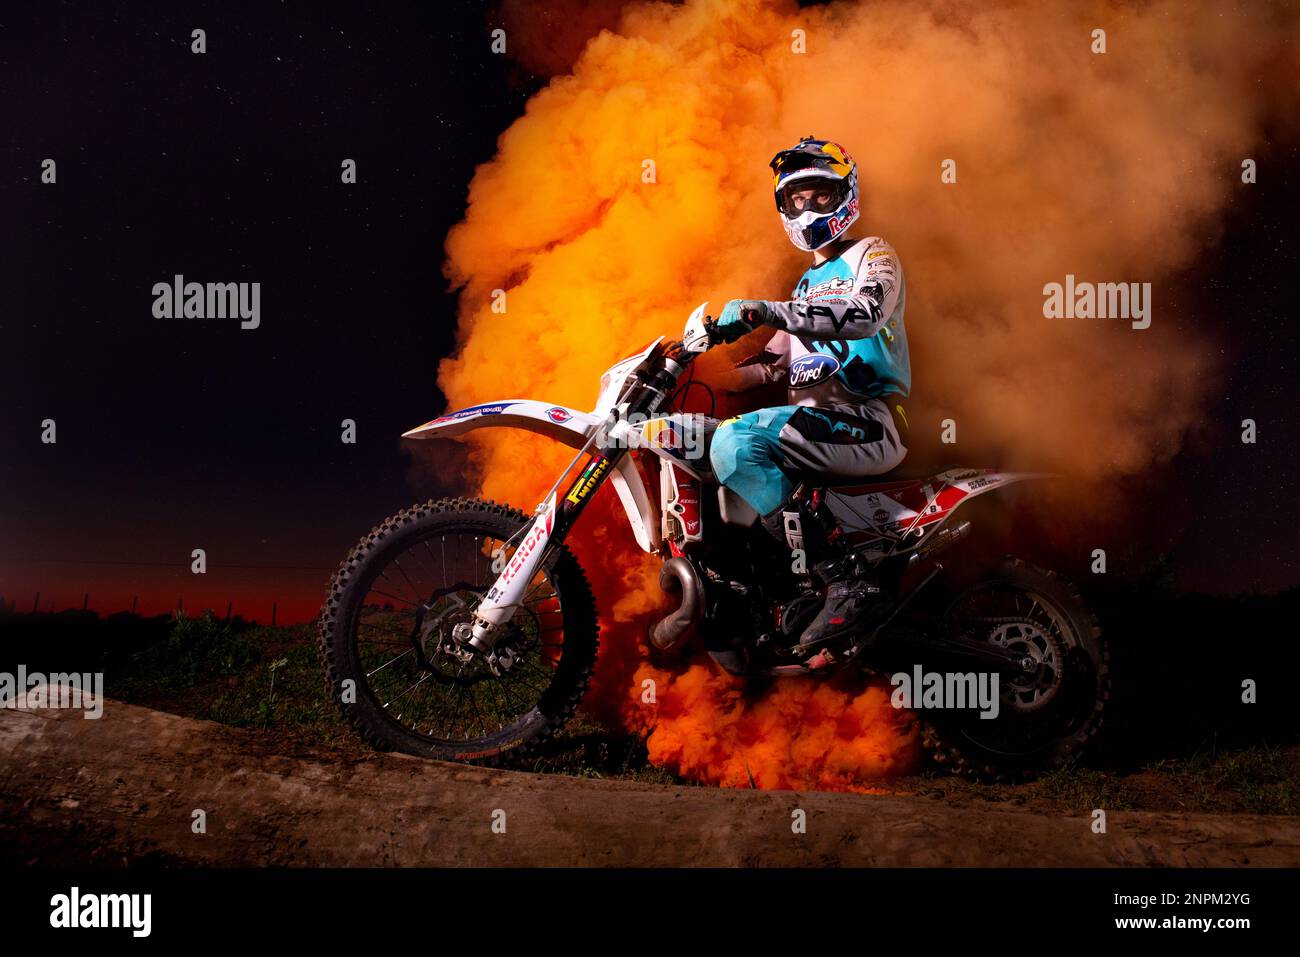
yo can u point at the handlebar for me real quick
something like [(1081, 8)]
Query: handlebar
[(659, 379), (677, 351)]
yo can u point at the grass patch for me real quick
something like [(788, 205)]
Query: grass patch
[(1264, 779), (1083, 789), (193, 650), (282, 691), (585, 748)]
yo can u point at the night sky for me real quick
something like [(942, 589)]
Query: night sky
[(175, 434)]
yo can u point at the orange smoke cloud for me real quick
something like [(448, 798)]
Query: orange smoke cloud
[(801, 735), (635, 187)]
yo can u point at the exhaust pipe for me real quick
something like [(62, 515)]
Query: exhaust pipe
[(678, 576)]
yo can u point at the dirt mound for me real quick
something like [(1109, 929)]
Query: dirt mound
[(125, 789)]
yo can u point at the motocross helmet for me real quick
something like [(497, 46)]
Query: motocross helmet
[(811, 225)]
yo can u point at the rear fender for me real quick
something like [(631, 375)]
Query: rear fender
[(887, 517), (978, 481)]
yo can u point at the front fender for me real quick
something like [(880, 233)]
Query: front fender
[(569, 426), (558, 422)]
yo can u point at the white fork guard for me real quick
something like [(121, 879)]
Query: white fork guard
[(573, 428)]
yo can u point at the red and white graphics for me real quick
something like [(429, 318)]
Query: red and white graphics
[(508, 590), (680, 494), (894, 516)]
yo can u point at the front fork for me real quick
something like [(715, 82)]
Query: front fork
[(550, 525)]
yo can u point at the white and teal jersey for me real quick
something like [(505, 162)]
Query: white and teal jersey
[(842, 338)]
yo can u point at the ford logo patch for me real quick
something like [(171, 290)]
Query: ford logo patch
[(807, 371)]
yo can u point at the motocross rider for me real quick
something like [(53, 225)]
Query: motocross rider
[(841, 346)]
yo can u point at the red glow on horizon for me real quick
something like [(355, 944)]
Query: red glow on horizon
[(294, 596)]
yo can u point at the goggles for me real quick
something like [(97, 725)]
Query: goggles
[(812, 194)]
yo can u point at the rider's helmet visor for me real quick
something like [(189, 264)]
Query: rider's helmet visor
[(819, 195)]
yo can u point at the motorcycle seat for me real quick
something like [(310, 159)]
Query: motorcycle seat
[(907, 472)]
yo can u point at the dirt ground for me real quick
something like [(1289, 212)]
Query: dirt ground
[(124, 790)]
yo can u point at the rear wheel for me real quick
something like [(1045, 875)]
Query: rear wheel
[(1051, 711), (400, 678)]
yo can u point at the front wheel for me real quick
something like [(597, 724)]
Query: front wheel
[(401, 679)]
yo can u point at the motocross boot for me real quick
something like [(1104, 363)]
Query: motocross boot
[(855, 604), (855, 607)]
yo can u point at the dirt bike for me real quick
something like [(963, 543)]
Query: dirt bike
[(465, 630)]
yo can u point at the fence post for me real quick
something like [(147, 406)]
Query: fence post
[(36, 605), (273, 607)]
